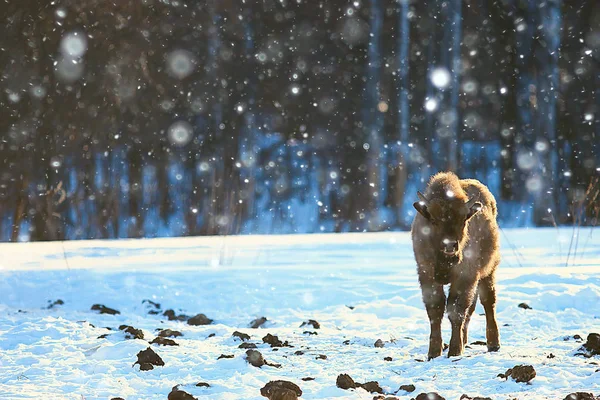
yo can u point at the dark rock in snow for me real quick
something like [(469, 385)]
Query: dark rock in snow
[(162, 341), (408, 388), (247, 345), (225, 356), (520, 373), (309, 333), (212, 335), (131, 332), (577, 337), (379, 343), (321, 357), (344, 381), (467, 397), (149, 357), (429, 396), (105, 310), (177, 394), (240, 335), (103, 336), (311, 322), (202, 384), (199, 319), (479, 343), (281, 390), (170, 314), (258, 322), (308, 378), (58, 302), (117, 398), (387, 358), (346, 342), (384, 397), (169, 333), (299, 352), (524, 306), (581, 396)]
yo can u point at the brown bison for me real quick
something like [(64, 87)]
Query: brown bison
[(455, 240)]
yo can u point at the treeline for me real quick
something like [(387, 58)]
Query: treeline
[(142, 119)]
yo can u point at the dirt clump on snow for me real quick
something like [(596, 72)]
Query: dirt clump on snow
[(429, 396), (379, 343), (247, 345), (169, 333), (162, 341), (467, 397), (312, 323), (52, 304), (592, 345), (199, 319), (345, 381), (202, 384), (524, 306), (281, 390), (407, 388), (131, 332), (240, 335), (581, 396), (153, 308), (177, 394), (520, 373), (371, 387), (274, 341), (225, 356), (255, 358), (172, 316), (105, 310), (258, 322), (148, 359)]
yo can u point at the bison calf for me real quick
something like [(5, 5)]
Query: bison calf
[(455, 241)]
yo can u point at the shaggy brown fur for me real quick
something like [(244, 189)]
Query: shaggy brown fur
[(456, 241)]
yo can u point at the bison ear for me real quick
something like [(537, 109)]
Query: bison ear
[(421, 207), (474, 209)]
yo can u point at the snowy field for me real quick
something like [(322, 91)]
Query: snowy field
[(359, 287)]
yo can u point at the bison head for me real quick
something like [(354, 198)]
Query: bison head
[(447, 222)]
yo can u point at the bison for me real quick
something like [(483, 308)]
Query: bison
[(456, 241)]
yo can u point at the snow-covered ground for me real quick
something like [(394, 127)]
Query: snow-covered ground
[(56, 353)]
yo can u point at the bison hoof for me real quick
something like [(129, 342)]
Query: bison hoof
[(434, 354), (493, 348)]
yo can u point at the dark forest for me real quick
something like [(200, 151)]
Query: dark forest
[(174, 118)]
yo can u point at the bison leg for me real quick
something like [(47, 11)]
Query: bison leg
[(460, 299), (435, 300), (468, 319), (487, 295)]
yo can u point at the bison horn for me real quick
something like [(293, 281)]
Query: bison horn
[(422, 198)]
